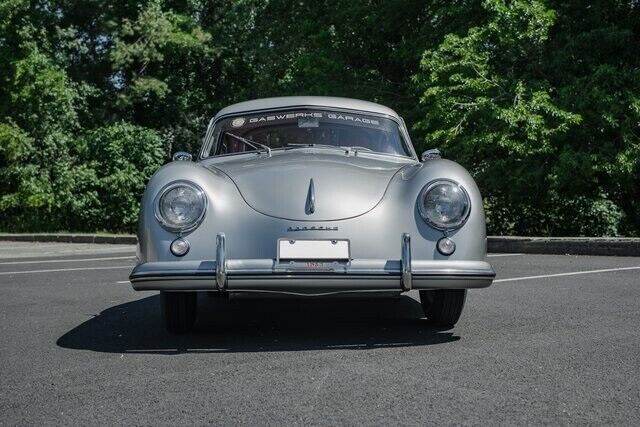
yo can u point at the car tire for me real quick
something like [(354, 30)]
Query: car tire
[(443, 307), (179, 310)]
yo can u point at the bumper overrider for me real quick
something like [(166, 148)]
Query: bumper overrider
[(310, 278)]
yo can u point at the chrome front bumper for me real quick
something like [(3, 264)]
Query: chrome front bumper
[(269, 275)]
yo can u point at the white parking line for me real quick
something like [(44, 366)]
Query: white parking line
[(496, 255), (511, 279), (28, 256), (121, 282), (7, 246), (9, 273), (573, 273), (68, 260)]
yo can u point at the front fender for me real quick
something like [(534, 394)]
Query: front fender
[(404, 192), (222, 197)]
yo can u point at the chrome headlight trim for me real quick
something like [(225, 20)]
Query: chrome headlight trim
[(189, 227), (422, 210)]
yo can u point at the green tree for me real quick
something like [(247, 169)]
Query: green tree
[(166, 72), (495, 99), (38, 140), (120, 158), (539, 99)]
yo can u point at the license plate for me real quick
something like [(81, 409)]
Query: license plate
[(313, 249)]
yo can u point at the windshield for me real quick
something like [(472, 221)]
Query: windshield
[(307, 127)]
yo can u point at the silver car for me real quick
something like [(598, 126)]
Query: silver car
[(310, 196)]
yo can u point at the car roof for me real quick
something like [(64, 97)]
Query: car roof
[(306, 101)]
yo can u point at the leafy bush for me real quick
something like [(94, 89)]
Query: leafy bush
[(97, 189), (121, 158)]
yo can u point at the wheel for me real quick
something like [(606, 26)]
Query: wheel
[(179, 310), (443, 306)]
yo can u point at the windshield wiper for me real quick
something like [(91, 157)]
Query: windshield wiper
[(357, 148), (255, 145), (311, 145), (345, 148)]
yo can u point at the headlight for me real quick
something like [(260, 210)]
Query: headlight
[(180, 206), (444, 204)]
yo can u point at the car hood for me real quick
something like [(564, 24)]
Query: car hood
[(344, 186)]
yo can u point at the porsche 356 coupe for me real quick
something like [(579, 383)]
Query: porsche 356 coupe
[(310, 196)]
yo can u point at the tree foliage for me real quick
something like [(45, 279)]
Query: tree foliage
[(543, 137), (540, 100)]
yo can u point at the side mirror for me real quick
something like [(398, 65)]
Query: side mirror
[(434, 153), (182, 156)]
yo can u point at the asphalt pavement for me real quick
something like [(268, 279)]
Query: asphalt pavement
[(556, 340)]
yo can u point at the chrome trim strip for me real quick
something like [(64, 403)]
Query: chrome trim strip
[(269, 267), (309, 284)]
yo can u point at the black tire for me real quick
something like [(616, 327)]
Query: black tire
[(443, 307), (179, 310)]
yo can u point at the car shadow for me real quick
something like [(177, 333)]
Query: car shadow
[(259, 325)]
